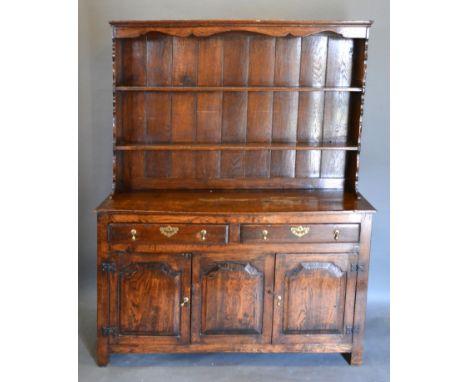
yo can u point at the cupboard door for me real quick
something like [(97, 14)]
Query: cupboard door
[(232, 298), (314, 298), (150, 299)]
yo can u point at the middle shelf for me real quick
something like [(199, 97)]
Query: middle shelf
[(232, 146), (350, 89)]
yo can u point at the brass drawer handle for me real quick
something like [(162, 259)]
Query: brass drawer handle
[(336, 234), (300, 231), (265, 234), (133, 232), (185, 301), (203, 234), (169, 231)]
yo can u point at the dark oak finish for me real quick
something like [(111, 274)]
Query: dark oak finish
[(310, 233), (146, 293), (167, 233), (235, 221), (231, 295), (314, 298)]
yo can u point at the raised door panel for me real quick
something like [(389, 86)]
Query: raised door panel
[(232, 298), (147, 299), (314, 298)]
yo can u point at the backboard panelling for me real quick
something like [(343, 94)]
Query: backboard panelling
[(209, 105), (336, 110), (262, 52), (310, 122), (184, 124), (235, 59), (159, 60)]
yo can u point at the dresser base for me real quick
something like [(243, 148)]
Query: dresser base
[(176, 275), (353, 358)]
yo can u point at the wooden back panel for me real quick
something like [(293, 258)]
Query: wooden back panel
[(197, 108)]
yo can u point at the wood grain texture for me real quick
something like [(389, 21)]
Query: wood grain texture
[(311, 105), (287, 61), (209, 125), (234, 223), (142, 346), (131, 123), (361, 292), (158, 117), (184, 61), (285, 108), (209, 106), (149, 300), (102, 342), (335, 124), (238, 99), (159, 60), (204, 202), (234, 130), (235, 59), (146, 295), (183, 130), (259, 126), (232, 295), (233, 146), (210, 62), (232, 298), (318, 233), (314, 297), (157, 233), (261, 61), (312, 307), (184, 89), (132, 62), (205, 28)]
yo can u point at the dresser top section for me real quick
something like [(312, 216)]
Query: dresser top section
[(199, 28), (221, 202)]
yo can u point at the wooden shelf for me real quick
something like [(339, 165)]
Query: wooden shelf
[(235, 89), (231, 146)]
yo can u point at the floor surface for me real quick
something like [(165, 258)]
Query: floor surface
[(231, 366)]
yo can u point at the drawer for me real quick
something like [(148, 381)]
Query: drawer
[(168, 233), (305, 233)]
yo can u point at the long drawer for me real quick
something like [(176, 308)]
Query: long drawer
[(168, 233), (308, 233)]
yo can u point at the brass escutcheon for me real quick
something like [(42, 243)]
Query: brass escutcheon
[(265, 234), (184, 301), (336, 234), (300, 231), (279, 300), (203, 234), (133, 232), (169, 231)]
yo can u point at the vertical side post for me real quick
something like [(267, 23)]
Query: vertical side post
[(355, 357), (102, 342)]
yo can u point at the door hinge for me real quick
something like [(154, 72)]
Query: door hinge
[(349, 330), (355, 267), (108, 331), (108, 267)]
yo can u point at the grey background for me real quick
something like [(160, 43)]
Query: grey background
[(95, 111)]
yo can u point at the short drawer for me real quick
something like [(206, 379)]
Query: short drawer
[(168, 233), (305, 233)]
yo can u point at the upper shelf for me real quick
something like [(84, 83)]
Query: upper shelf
[(237, 89), (233, 146), (204, 28)]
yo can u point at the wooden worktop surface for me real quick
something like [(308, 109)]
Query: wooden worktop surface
[(235, 202)]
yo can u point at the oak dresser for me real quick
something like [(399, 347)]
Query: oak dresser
[(235, 223)]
